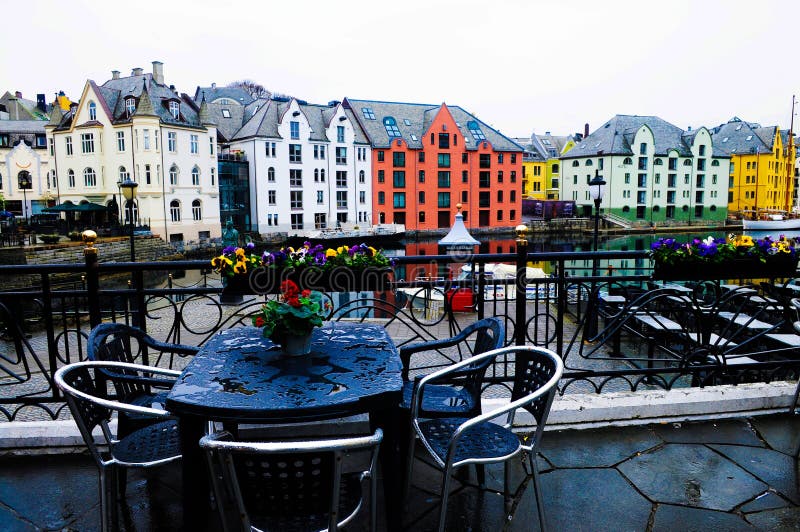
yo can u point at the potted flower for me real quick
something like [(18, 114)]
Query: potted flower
[(737, 257), (290, 320)]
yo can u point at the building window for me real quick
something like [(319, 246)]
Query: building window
[(295, 153), (196, 176), (391, 127), (362, 177), (339, 133), (172, 141), (701, 165), (87, 142), (294, 130), (297, 221), (642, 180), (399, 199), (421, 157), (444, 160), (295, 178), (701, 180), (320, 220), (271, 174), (499, 158), (485, 160), (380, 156), (464, 196), (71, 179), (398, 159), (381, 198), (444, 179), (362, 196), (421, 216), (174, 109), (341, 178), (483, 179), (68, 144), (211, 143), (92, 111), (500, 176), (483, 199), (89, 178), (296, 199), (271, 197), (341, 155), (193, 148), (123, 174), (443, 199), (341, 199), (213, 177), (475, 129), (368, 113), (175, 210), (270, 149), (381, 176), (146, 138), (316, 175), (444, 141), (197, 210), (399, 178), (130, 106), (422, 176), (120, 141), (173, 175), (464, 176), (421, 197), (499, 196)]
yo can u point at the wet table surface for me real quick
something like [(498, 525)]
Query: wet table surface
[(239, 375)]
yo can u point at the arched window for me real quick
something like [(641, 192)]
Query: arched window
[(685, 208), (197, 210), (123, 174), (554, 168), (316, 175), (130, 105), (70, 178), (715, 163), (322, 175), (89, 178), (271, 174), (627, 160), (173, 175), (575, 163), (391, 127), (626, 208), (175, 210), (361, 176), (196, 176), (92, 111), (131, 206), (687, 162), (713, 208), (589, 162), (658, 162), (656, 208)]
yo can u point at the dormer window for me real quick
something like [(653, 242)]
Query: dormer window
[(391, 127), (92, 111), (226, 113), (174, 109), (130, 105)]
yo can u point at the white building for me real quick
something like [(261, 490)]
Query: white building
[(138, 127), (656, 173), (310, 167)]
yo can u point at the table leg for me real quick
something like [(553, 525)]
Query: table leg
[(196, 487), (392, 459)]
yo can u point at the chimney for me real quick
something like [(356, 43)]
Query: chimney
[(115, 74), (213, 85), (137, 71), (40, 103), (586, 130), (18, 94), (547, 133), (689, 128), (158, 72)]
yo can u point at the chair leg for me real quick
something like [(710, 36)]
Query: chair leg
[(104, 503), (373, 504), (445, 495), (537, 490), (412, 441)]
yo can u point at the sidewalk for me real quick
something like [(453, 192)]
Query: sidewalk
[(736, 474)]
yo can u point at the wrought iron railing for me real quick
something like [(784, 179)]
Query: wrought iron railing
[(615, 331)]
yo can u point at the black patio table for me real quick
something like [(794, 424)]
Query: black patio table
[(241, 377)]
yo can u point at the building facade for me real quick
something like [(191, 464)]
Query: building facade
[(428, 159), (309, 167), (655, 173), (137, 127), (762, 167)]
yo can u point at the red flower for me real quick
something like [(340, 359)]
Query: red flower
[(306, 293), (260, 321), (293, 301)]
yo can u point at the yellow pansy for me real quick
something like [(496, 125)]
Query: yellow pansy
[(330, 253)]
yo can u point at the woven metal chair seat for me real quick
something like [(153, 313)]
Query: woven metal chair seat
[(487, 440), (440, 399), (150, 400), (149, 444)]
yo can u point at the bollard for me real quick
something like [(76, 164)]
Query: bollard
[(92, 277)]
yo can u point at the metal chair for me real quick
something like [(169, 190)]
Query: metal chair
[(458, 441), (290, 484), (459, 392), (149, 446), (119, 342)]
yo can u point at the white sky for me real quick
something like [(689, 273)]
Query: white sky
[(519, 65)]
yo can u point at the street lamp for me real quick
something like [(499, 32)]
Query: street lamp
[(129, 191), (597, 188), (120, 207), (25, 185)]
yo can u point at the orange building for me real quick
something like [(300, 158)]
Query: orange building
[(427, 159)]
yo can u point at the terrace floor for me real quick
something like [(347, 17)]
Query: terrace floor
[(736, 474)]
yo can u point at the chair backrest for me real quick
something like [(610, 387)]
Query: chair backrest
[(534, 368), (285, 482)]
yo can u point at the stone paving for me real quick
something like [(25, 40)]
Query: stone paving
[(737, 474)]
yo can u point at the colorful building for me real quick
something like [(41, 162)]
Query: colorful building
[(427, 159), (762, 167), (541, 165)]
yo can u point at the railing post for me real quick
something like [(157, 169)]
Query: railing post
[(562, 307), (92, 278), (520, 328)]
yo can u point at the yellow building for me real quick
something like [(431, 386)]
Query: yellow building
[(534, 169), (541, 170), (762, 167)]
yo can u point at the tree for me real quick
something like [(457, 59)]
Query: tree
[(256, 90)]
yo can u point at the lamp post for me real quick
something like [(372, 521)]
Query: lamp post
[(597, 188), (129, 191), (25, 185), (120, 207)]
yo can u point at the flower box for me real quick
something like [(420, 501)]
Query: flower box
[(731, 269), (340, 279)]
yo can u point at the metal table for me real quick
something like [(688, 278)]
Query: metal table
[(239, 376)]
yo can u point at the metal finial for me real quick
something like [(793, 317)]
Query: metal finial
[(89, 237)]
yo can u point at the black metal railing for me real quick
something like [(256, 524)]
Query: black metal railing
[(615, 331)]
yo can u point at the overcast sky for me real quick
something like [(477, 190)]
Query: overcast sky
[(521, 66)]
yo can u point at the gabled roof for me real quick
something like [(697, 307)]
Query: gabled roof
[(415, 119), (21, 108), (737, 137), (615, 137), (22, 126), (214, 93)]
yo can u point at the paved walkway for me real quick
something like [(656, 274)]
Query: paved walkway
[(725, 475)]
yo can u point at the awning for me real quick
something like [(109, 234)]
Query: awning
[(83, 207)]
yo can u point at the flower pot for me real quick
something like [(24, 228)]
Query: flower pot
[(338, 279), (233, 288), (296, 345), (732, 269)]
